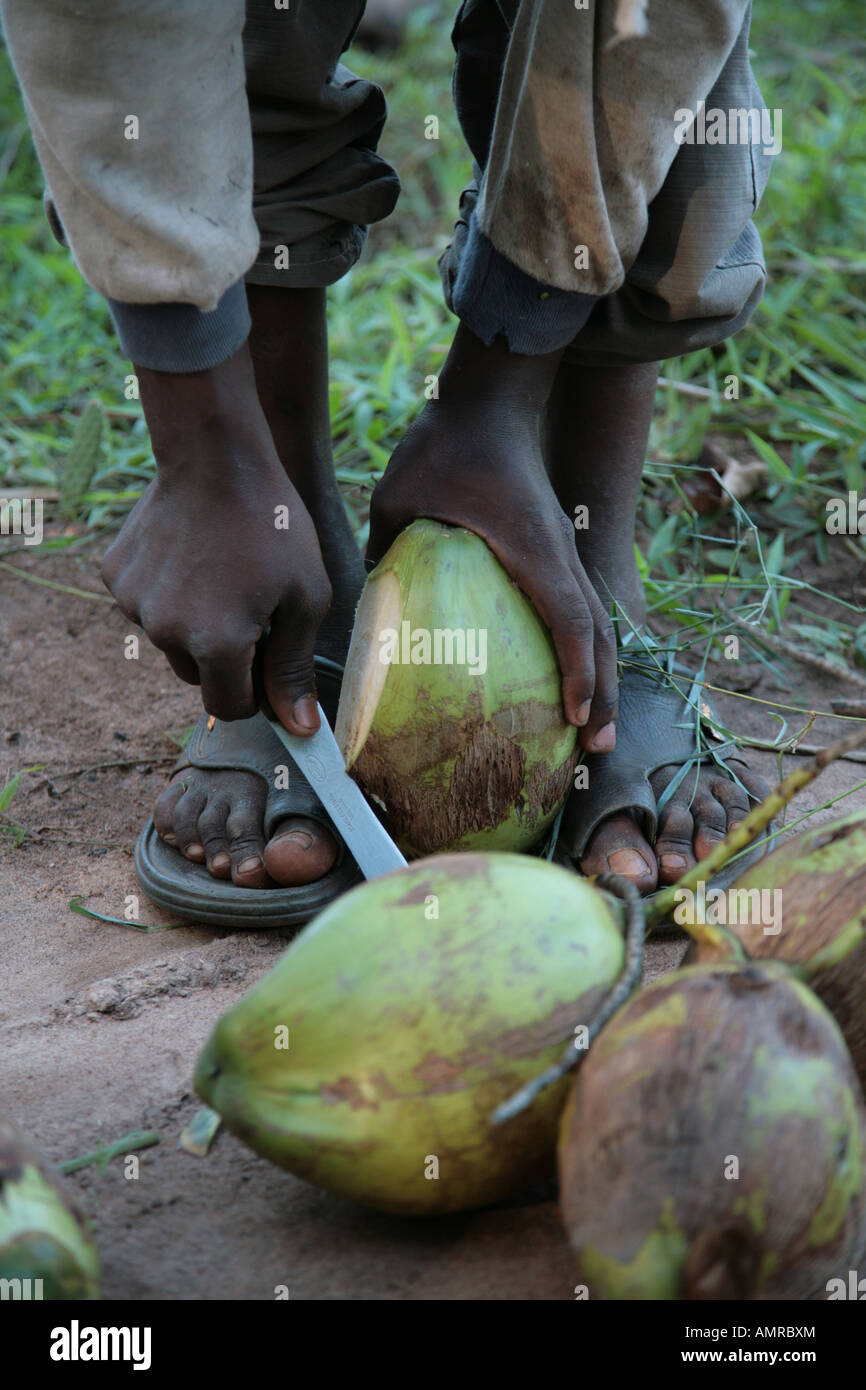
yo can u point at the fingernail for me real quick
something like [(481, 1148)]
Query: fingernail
[(734, 825), (604, 740), (220, 861), (170, 839), (673, 861), (249, 865), (583, 712), (305, 713), (300, 837), (195, 852), (628, 863)]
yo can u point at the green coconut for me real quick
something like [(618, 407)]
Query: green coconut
[(370, 1059), (714, 1144), (44, 1241), (450, 714), (818, 881)]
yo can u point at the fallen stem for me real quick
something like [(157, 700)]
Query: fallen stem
[(136, 1139), (52, 584)]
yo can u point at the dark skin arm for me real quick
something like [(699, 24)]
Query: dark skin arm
[(200, 563), (473, 458)]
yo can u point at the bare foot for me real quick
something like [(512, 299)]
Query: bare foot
[(690, 826)]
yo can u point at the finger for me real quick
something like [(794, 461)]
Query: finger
[(553, 589), (288, 668), (598, 734), (171, 643), (182, 664), (226, 675)]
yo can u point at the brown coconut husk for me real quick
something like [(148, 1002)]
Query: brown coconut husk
[(713, 1143)]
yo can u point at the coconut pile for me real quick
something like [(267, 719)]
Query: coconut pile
[(439, 1038)]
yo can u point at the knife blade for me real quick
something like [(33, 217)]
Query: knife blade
[(322, 763)]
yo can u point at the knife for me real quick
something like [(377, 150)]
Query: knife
[(324, 767)]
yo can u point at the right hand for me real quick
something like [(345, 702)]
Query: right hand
[(200, 563)]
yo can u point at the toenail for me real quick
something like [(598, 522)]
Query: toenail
[(604, 740), (627, 862), (249, 865), (300, 837), (195, 851), (673, 861), (220, 861)]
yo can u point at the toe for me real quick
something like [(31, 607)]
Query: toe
[(300, 851), (618, 847), (738, 800), (674, 842), (163, 811), (710, 822), (247, 844), (184, 820), (213, 836)]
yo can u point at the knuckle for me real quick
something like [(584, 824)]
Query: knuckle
[(605, 632)]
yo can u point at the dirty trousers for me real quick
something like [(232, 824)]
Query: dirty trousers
[(190, 146)]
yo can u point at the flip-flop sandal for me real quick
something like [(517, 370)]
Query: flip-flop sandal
[(664, 719), (247, 745)]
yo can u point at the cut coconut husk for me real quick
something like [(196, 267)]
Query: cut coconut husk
[(369, 1060), (713, 1144), (450, 715), (805, 904), (44, 1241)]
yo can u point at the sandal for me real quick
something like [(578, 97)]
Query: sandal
[(664, 718), (247, 745)]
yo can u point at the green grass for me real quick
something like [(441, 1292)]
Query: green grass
[(802, 405)]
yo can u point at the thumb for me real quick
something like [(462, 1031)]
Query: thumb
[(289, 673)]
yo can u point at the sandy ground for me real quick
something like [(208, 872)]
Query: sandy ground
[(100, 1026)]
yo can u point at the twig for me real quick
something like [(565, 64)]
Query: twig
[(781, 646), (117, 762), (52, 584), (687, 388), (138, 1139), (625, 985)]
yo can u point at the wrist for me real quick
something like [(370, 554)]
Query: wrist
[(209, 420)]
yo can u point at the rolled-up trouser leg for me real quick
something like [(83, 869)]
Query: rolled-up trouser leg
[(139, 114), (318, 180), (575, 142), (183, 150)]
